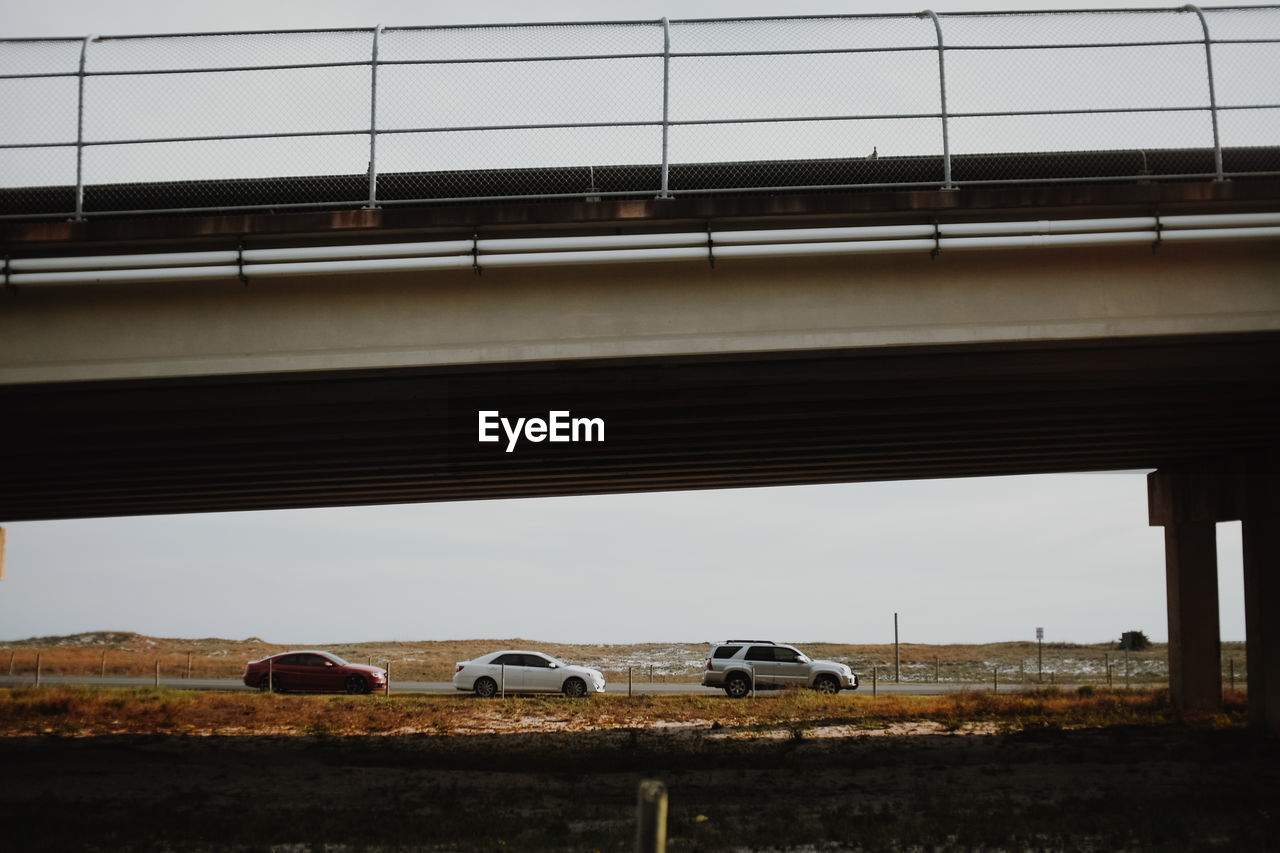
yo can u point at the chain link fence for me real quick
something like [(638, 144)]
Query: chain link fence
[(391, 116)]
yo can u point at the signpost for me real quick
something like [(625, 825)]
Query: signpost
[(1040, 653)]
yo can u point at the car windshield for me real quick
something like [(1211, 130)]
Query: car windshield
[(555, 661), (339, 661)]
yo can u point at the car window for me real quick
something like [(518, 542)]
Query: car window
[(786, 655), (312, 660), (510, 659), (725, 651), (760, 653), (536, 660), (288, 660)]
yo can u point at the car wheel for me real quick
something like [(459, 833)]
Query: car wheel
[(357, 685), (826, 684), (486, 687), (575, 687), (270, 682), (737, 686)]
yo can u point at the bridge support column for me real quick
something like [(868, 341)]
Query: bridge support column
[(1260, 531), (1187, 501), (1191, 581)]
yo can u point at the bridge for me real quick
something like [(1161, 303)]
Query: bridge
[(312, 277)]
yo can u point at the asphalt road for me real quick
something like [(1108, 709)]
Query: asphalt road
[(446, 687)]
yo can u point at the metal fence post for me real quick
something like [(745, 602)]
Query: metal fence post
[(1213, 96), (373, 122), (942, 87), (84, 50), (666, 108)]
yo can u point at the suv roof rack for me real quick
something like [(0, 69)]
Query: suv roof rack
[(761, 642)]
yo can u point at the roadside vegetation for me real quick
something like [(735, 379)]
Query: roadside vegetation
[(91, 711)]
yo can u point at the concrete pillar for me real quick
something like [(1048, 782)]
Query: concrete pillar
[(1260, 531), (1195, 653), (1187, 501)]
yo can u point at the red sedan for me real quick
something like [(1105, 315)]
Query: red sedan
[(315, 672)]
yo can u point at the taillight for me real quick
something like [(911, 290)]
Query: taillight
[(708, 663), (458, 670)]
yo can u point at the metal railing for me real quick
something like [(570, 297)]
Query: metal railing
[(411, 115)]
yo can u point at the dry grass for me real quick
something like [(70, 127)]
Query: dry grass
[(129, 654), (111, 711)]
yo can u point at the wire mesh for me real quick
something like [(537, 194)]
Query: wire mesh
[(596, 110)]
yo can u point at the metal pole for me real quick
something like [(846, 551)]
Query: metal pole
[(995, 680), (37, 669), (942, 84), (666, 108), (1213, 96), (157, 683), (897, 670), (629, 681), (386, 691), (1040, 660), (84, 49), (651, 817), (271, 677), (873, 681), (373, 122)]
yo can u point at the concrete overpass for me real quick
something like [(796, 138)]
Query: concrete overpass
[(364, 387), (1085, 318)]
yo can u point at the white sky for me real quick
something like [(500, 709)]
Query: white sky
[(960, 561)]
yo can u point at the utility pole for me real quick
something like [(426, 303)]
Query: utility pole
[(897, 673)]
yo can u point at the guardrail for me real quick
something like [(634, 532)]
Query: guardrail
[(410, 115)]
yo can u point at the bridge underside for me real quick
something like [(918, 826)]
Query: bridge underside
[(409, 435), (946, 367)]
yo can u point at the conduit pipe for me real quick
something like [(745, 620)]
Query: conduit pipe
[(631, 248)]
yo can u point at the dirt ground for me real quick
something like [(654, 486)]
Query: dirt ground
[(912, 787)]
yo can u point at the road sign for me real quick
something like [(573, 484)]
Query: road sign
[(1039, 633)]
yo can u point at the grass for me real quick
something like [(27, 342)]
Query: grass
[(1086, 769), (88, 711), (767, 780)]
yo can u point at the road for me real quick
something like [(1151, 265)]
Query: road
[(446, 687)]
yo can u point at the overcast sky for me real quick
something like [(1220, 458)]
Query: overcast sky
[(961, 561)]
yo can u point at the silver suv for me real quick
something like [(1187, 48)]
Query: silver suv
[(738, 665)]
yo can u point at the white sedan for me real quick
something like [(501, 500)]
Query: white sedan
[(525, 672)]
